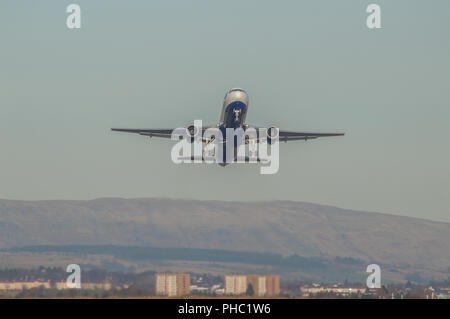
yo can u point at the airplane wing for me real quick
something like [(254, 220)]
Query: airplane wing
[(285, 136), (166, 133), (162, 132)]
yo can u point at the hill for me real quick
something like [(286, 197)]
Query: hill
[(281, 227)]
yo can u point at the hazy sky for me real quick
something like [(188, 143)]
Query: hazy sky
[(307, 65)]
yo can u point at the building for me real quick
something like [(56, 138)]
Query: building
[(337, 290), (235, 284), (262, 285), (20, 285), (172, 284)]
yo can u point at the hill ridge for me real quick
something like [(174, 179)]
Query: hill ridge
[(284, 227)]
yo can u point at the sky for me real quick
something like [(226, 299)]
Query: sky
[(307, 65)]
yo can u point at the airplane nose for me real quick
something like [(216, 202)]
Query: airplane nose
[(237, 95)]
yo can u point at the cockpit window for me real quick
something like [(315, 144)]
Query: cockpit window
[(237, 89), (234, 90)]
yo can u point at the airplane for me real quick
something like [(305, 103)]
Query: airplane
[(233, 115)]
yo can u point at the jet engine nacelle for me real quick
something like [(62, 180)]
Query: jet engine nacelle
[(193, 132), (272, 134)]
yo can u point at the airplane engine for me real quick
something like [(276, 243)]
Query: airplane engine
[(193, 133), (272, 134)]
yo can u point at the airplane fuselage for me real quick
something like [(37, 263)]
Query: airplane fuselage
[(234, 112)]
